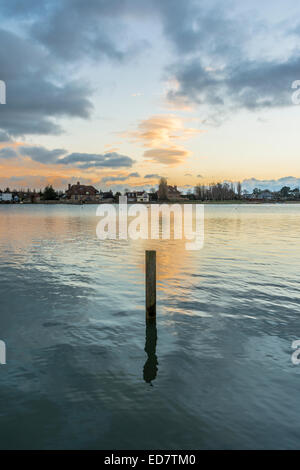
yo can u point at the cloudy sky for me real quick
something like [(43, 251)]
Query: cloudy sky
[(119, 92)]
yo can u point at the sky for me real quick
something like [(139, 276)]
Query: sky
[(117, 93)]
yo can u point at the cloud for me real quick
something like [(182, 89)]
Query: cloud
[(167, 156), (214, 65), (107, 179), (199, 176), (8, 152), (42, 155), (152, 176), (119, 178), (272, 184), (71, 30), (249, 85), (36, 94), (78, 160), (162, 129), (4, 137), (160, 133), (225, 59), (88, 160)]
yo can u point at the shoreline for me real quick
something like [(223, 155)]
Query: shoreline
[(89, 203)]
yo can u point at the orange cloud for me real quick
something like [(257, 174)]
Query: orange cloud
[(160, 134), (173, 155), (162, 130)]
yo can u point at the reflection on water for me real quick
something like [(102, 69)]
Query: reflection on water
[(150, 367), (72, 315)]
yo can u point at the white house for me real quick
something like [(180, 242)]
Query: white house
[(142, 197)]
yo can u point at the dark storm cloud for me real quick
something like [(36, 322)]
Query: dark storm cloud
[(41, 154)]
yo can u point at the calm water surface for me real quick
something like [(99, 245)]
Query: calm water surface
[(83, 372)]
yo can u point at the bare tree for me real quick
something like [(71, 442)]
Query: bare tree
[(163, 189)]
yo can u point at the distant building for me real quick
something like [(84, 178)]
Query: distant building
[(107, 196), (142, 197), (137, 196), (266, 195), (6, 196), (131, 196), (82, 193), (172, 193), (32, 197)]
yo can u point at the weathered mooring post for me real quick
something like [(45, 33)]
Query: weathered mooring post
[(150, 284)]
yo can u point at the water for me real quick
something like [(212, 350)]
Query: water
[(217, 372)]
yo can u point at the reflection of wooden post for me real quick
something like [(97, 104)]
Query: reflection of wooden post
[(150, 284), (150, 367)]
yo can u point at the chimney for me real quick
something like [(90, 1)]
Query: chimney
[(69, 187), (78, 183)]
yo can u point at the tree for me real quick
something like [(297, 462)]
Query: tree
[(284, 192), (199, 192), (49, 193), (163, 189), (239, 189), (117, 195)]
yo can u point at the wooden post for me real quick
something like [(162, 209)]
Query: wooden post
[(150, 284)]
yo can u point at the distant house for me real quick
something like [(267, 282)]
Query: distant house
[(142, 197), (137, 196), (106, 196), (131, 196), (172, 193), (266, 195), (32, 197), (82, 193)]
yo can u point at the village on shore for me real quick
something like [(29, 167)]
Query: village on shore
[(85, 194)]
